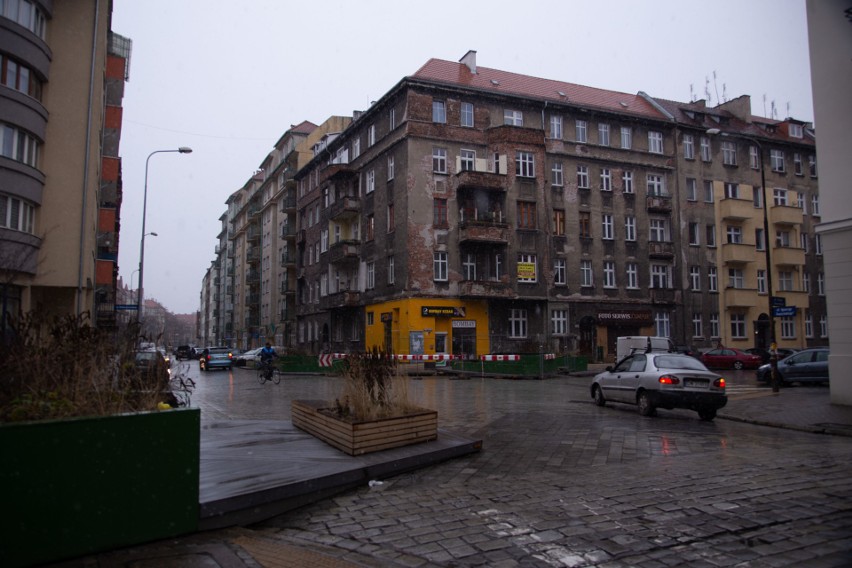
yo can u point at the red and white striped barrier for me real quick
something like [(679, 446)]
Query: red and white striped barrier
[(499, 357), (427, 357), (549, 356), (326, 359)]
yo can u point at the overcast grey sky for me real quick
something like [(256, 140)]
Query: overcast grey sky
[(228, 78)]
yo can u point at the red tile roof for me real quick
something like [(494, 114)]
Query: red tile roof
[(305, 127), (496, 81)]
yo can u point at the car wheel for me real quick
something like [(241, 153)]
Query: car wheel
[(707, 414), (738, 365), (599, 397), (646, 408)]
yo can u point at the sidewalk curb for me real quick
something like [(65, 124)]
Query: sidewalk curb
[(771, 424)]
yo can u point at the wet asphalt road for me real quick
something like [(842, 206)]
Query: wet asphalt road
[(561, 482)]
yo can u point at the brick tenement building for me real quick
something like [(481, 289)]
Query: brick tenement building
[(473, 211)]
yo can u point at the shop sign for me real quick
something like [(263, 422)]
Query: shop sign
[(443, 311), (614, 317), (459, 324)]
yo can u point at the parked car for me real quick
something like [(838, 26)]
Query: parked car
[(152, 366), (196, 352), (730, 358), (688, 350), (183, 352), (808, 365), (216, 358), (765, 355), (248, 358), (661, 380)]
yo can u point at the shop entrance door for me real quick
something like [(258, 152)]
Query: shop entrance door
[(464, 343)]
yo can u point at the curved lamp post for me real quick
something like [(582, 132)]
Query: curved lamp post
[(139, 292), (766, 247)]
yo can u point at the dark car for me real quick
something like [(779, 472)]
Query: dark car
[(661, 380), (730, 358), (153, 367), (183, 352), (216, 358), (807, 366)]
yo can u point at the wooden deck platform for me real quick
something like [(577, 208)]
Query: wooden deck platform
[(252, 470)]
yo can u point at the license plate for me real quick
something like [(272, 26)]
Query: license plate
[(695, 383)]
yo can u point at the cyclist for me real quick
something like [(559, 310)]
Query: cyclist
[(267, 354)]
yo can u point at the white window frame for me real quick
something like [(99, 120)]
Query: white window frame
[(688, 147), (583, 177), (371, 275), (695, 278), (439, 112), (630, 228), (626, 137), (560, 272), (713, 279), (559, 322), (531, 259), (556, 127), (440, 266), (439, 160), (738, 326), (466, 118), (631, 270), (557, 178), (607, 227), (603, 134), (606, 179), (627, 178), (391, 168), (609, 274), (706, 149), (525, 164), (655, 142), (513, 117), (582, 131), (587, 277), (518, 323)]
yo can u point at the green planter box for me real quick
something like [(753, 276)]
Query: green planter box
[(80, 486)]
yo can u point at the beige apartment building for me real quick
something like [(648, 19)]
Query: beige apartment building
[(63, 74)]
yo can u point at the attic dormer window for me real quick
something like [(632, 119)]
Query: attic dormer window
[(796, 131), (690, 114)]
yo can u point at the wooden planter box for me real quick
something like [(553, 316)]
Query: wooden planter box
[(361, 437)]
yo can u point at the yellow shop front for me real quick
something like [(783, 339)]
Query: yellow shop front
[(428, 326)]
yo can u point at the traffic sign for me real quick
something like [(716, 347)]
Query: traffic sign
[(786, 311), (777, 301)]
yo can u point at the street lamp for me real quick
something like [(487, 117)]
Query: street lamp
[(773, 358), (139, 291)]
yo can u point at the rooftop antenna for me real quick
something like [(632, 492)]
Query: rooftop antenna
[(764, 104), (788, 109), (707, 89), (716, 86), (691, 93), (724, 92), (774, 111)]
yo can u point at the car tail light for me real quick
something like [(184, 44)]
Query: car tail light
[(669, 380), (719, 383), (230, 355), (208, 357)]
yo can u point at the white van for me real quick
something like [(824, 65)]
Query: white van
[(632, 343)]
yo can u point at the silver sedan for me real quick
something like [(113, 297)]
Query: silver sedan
[(661, 380)]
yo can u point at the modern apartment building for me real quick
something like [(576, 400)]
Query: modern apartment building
[(63, 74)]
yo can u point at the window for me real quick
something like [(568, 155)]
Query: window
[(660, 276), (439, 112), (782, 239), (513, 117), (631, 270), (712, 279), (695, 278), (469, 266), (525, 164), (468, 160), (798, 168), (688, 147), (796, 131), (324, 240), (391, 218), (706, 155), (708, 191), (556, 174), (527, 272), (627, 177), (714, 324), (626, 137), (586, 275), (818, 244), (603, 134), (466, 115), (630, 228), (812, 165), (655, 142), (371, 181), (371, 135), (356, 147), (736, 279), (785, 281), (560, 272), (606, 179), (815, 205), (391, 270), (19, 77), (711, 235), (439, 213), (18, 145), (761, 281), (584, 228), (656, 185), (391, 119), (697, 325), (371, 228), (691, 189), (371, 275), (729, 153), (779, 196), (609, 274), (754, 157), (17, 214), (559, 322), (759, 239), (803, 242), (738, 326), (821, 283), (662, 324), (659, 230), (801, 203), (694, 233), (440, 266), (559, 222), (439, 160), (757, 197), (735, 234), (526, 215), (607, 227), (809, 324), (776, 159), (556, 127), (391, 168), (583, 177), (581, 134), (517, 323), (806, 282), (788, 327), (370, 318), (823, 326)]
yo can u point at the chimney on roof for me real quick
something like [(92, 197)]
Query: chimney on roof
[(469, 59)]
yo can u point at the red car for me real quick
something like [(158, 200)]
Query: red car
[(730, 358)]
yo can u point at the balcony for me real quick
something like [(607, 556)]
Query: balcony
[(741, 298), (252, 299), (484, 174), (346, 207), (788, 256), (793, 298), (660, 249), (253, 233), (483, 232), (738, 253), (289, 201), (253, 254), (659, 203), (287, 259), (663, 296), (344, 299), (486, 289), (253, 277), (344, 251), (288, 232), (785, 215), (737, 209), (337, 171), (286, 288)]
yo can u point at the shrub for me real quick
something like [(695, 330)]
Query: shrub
[(374, 387)]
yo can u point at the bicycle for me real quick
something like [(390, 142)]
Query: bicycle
[(266, 372)]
